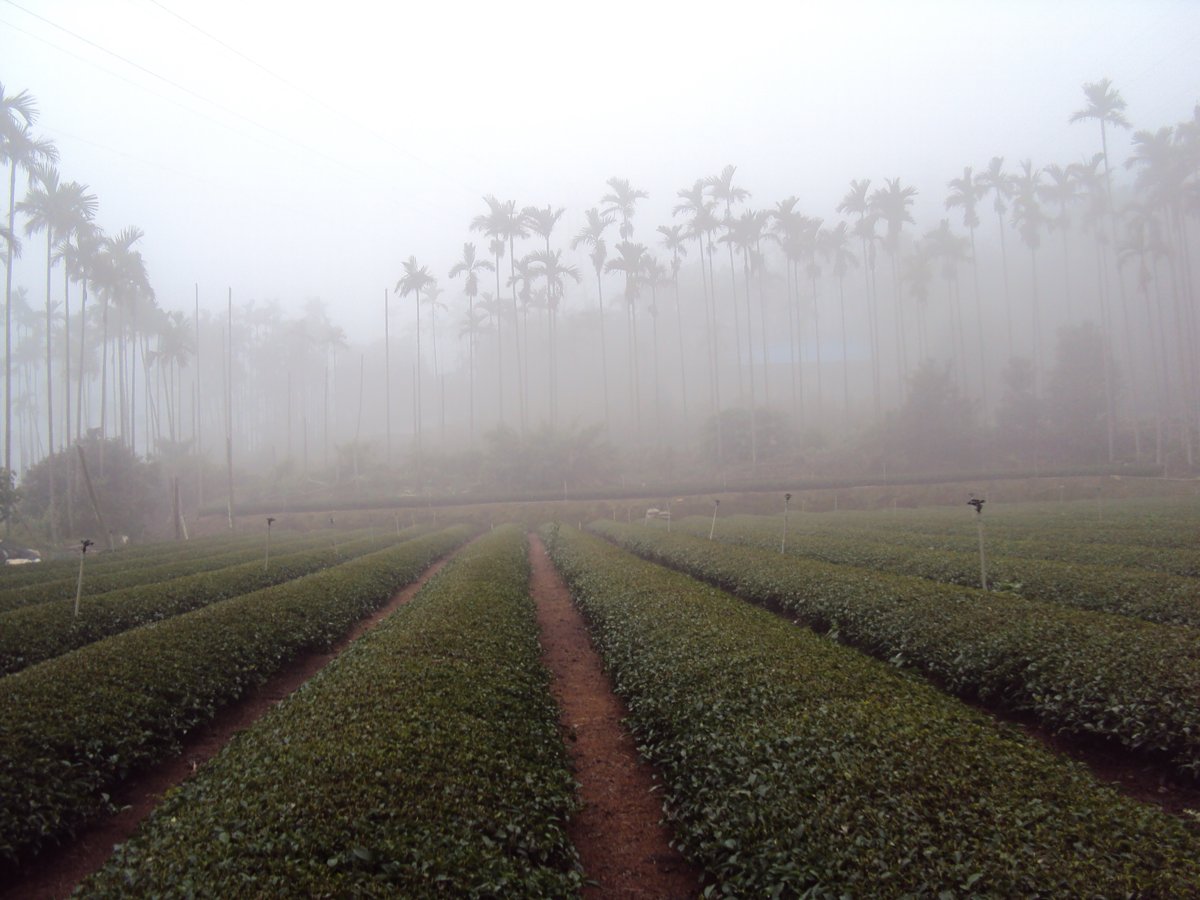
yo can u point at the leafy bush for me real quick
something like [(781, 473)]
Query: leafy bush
[(1154, 596), (35, 633), (1080, 672), (797, 767), (75, 726), (102, 576), (444, 775)]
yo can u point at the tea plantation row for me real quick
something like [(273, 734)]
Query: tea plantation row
[(426, 760), (1154, 596), (102, 573), (35, 633), (1080, 672), (795, 766), (72, 728)]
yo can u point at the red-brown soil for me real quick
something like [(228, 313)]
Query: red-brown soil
[(624, 846), (56, 874)]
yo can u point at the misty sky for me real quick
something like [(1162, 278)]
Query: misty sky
[(297, 154)]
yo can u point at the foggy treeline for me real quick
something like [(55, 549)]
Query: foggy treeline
[(1050, 316)]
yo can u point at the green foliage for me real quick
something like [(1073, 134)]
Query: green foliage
[(445, 773), (10, 497), (1075, 399), (103, 574), (32, 634), (131, 492), (75, 726), (1154, 596), (1078, 672), (796, 767), (935, 428), (772, 436), (546, 458)]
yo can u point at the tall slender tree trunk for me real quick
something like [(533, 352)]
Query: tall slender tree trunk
[(845, 356), (50, 388), (417, 410), (716, 360), (750, 356), (817, 342), (737, 330), (470, 365), (979, 327), (682, 367), (387, 379), (603, 350), (80, 419), (66, 357), (499, 347), (1007, 294), (8, 267), (521, 362)]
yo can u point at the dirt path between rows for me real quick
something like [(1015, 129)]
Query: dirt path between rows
[(55, 874), (625, 849)]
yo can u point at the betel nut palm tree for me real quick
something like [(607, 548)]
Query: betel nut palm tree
[(470, 266), (415, 280)]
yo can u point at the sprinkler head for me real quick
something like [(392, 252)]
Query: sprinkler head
[(270, 521), (977, 503), (84, 544)]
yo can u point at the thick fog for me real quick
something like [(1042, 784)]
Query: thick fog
[(792, 204)]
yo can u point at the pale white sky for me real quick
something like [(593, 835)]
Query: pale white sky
[(340, 138)]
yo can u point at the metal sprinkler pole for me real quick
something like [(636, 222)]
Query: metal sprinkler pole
[(787, 498), (83, 548), (713, 530), (978, 504)]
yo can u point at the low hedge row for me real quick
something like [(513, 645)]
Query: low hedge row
[(33, 634), (1144, 594), (424, 761), (797, 767), (1048, 545), (102, 559), (74, 727), (1078, 672), (1153, 596), (101, 579)]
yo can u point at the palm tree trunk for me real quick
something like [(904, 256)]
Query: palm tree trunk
[(658, 429), (1037, 325), (845, 356), (750, 355), (499, 348), (682, 370), (387, 379), (66, 358), (470, 366), (8, 267), (79, 419), (817, 341), (737, 332), (979, 327), (521, 399), (417, 410), (716, 369), (603, 349), (50, 390), (1007, 296)]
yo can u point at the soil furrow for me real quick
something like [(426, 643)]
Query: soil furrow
[(624, 846)]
